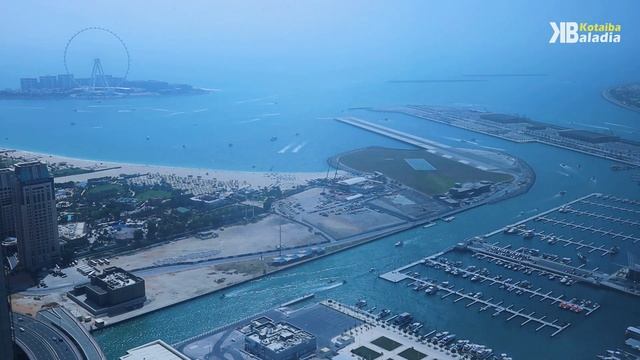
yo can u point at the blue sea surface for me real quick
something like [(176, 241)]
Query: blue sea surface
[(275, 129)]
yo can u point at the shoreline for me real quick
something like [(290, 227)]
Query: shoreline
[(340, 248), (609, 98), (99, 168)]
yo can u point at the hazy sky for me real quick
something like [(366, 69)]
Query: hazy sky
[(219, 41)]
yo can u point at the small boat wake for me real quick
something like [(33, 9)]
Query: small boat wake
[(329, 287), (593, 126), (491, 148), (567, 167), (286, 148), (200, 110), (308, 287), (299, 147), (622, 126), (559, 194), (26, 108), (254, 100), (106, 106), (249, 121)]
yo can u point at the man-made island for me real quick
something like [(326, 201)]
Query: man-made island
[(626, 96), (521, 129), (66, 86)]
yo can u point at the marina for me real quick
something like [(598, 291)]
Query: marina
[(589, 228), (339, 330), (505, 273), (499, 306)]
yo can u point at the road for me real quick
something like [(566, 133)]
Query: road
[(42, 342)]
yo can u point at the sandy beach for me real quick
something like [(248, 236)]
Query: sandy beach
[(254, 179)]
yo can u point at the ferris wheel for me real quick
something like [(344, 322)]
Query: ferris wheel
[(98, 78)]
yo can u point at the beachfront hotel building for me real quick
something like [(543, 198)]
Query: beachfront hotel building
[(7, 222), (6, 339), (36, 225)]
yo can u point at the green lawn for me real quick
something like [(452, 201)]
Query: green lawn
[(386, 343), (366, 353), (391, 162), (153, 194), (103, 189), (412, 354)]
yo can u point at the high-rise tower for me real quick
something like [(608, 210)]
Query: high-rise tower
[(7, 213), (6, 338), (35, 216)]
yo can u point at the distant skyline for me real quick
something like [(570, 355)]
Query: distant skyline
[(343, 40)]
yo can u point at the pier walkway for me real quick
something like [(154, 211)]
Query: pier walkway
[(516, 286), (578, 244), (534, 217), (498, 307), (588, 228), (580, 274), (603, 217), (611, 207)]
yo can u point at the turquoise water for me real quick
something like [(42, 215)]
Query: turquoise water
[(197, 131), (117, 130)]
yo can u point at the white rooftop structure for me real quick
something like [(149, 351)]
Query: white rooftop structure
[(352, 181), (155, 350)]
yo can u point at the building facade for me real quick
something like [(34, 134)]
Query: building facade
[(6, 338), (115, 286), (35, 216), (7, 216), (28, 84), (48, 82), (65, 81)]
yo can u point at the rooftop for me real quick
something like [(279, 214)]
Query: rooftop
[(116, 278), (277, 336), (352, 181), (32, 170), (155, 350)]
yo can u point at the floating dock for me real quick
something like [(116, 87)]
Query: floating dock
[(560, 232), (499, 308)]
